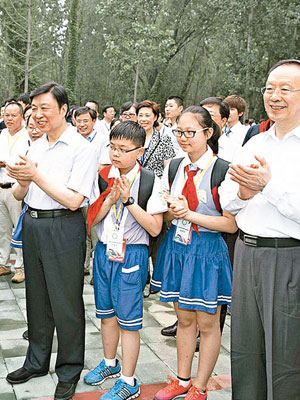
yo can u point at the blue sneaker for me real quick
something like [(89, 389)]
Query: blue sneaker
[(122, 391), (99, 374)]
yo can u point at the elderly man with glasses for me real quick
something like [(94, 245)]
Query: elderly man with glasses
[(262, 189)]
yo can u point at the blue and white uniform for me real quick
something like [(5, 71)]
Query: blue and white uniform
[(197, 275), (119, 286)]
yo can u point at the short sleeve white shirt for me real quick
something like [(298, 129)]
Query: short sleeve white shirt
[(70, 161), (10, 149)]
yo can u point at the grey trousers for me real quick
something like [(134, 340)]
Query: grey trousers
[(265, 327), (54, 252)]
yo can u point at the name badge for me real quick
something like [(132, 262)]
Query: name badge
[(202, 196), (183, 232), (116, 245)]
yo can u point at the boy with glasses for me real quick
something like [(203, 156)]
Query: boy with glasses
[(121, 256)]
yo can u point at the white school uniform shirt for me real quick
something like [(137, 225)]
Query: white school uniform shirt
[(179, 180), (275, 211), (10, 149), (70, 161), (231, 142), (134, 233)]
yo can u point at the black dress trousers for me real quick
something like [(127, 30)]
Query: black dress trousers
[(54, 253)]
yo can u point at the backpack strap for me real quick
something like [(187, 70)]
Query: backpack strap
[(146, 184), (173, 167), (217, 177), (146, 187), (103, 178)]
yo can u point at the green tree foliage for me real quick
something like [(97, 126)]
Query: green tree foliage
[(112, 51)]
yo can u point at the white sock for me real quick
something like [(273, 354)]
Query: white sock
[(128, 379), (110, 362), (184, 383)]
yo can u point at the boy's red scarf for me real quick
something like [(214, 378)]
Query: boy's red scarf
[(96, 206)]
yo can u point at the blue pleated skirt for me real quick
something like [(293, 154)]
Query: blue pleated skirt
[(198, 276)]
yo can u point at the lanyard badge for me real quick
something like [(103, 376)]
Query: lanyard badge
[(183, 232), (116, 245)]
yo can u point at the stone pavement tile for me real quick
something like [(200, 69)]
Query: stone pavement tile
[(165, 318), (152, 372), (225, 343), (6, 294), (165, 350), (19, 292), (157, 306), (14, 363), (146, 355), (89, 299), (219, 395), (21, 303), (92, 358), (153, 335), (8, 305), (3, 370), (35, 388), (3, 284), (149, 320), (90, 327), (171, 363), (93, 340), (6, 390), (222, 366), (9, 317), (88, 289), (14, 347)]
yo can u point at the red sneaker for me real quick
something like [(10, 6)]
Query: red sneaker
[(195, 394), (172, 390)]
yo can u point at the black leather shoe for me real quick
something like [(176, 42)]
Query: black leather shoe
[(170, 330), (21, 375), (64, 390), (25, 335)]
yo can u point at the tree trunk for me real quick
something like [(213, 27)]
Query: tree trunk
[(136, 82), (28, 47)]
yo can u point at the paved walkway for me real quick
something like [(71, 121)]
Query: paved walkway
[(157, 356)]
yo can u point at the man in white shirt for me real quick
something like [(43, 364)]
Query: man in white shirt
[(94, 105), (13, 142), (85, 119), (234, 132), (262, 189), (173, 108), (55, 179), (108, 113)]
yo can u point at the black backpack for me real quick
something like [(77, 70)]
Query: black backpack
[(145, 189)]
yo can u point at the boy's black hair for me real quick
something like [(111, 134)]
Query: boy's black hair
[(129, 130)]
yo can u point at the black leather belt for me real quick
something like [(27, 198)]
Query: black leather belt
[(257, 241), (6, 185), (34, 213)]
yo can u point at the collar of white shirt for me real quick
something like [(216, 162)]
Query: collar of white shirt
[(202, 162), (66, 137), (294, 132), (115, 172)]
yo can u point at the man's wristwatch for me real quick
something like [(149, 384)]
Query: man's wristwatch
[(129, 201)]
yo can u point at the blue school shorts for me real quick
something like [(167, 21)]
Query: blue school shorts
[(198, 276), (119, 287)]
